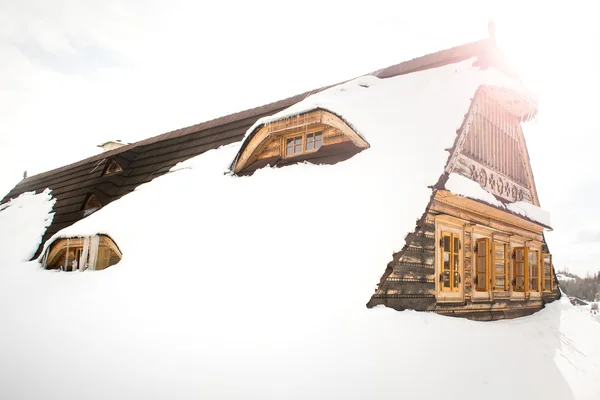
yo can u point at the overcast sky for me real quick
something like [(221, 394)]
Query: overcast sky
[(74, 74)]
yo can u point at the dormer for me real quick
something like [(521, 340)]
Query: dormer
[(317, 136), (82, 253), (90, 204), (112, 167)]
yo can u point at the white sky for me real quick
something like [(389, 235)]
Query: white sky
[(74, 74)]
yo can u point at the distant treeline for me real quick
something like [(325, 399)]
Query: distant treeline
[(584, 288)]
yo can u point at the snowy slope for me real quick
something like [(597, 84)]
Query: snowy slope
[(23, 221), (199, 329), (256, 287)]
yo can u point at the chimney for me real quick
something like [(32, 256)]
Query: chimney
[(111, 145)]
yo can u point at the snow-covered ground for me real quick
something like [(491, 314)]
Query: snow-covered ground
[(562, 277), (255, 287)]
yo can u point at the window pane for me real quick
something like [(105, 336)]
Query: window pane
[(446, 279), (481, 266), (499, 249), (310, 136), (309, 145), (447, 243), (299, 140), (499, 284), (456, 278), (533, 257), (289, 141), (318, 140), (446, 261), (547, 260), (519, 255), (519, 285)]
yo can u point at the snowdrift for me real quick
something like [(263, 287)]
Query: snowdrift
[(256, 287)]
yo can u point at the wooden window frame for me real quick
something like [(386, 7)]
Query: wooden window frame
[(525, 269), (543, 266), (448, 224), (506, 274), (529, 276), (453, 254), (303, 135), (486, 284)]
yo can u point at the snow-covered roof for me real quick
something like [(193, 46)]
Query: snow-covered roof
[(406, 155), (385, 108)]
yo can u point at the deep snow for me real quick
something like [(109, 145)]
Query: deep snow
[(256, 287)]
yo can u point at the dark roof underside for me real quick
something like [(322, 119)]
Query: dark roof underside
[(145, 160)]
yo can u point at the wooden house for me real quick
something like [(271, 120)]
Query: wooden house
[(477, 251)]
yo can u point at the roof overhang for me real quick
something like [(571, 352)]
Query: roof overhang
[(259, 136), (485, 214)]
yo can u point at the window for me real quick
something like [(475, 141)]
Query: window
[(112, 167), (533, 271), (314, 141), (304, 143), (500, 267), (482, 251), (90, 204), (450, 262), (293, 145), (547, 271), (72, 254), (519, 266)]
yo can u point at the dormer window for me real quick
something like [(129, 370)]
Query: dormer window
[(112, 167), (90, 204), (82, 253), (317, 136), (314, 141)]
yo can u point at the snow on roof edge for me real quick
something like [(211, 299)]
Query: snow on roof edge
[(465, 187)]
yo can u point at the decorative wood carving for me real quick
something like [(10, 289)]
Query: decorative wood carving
[(492, 181)]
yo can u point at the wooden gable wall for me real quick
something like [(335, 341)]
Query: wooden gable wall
[(491, 150)]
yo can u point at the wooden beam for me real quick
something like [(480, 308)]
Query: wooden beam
[(472, 216)]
